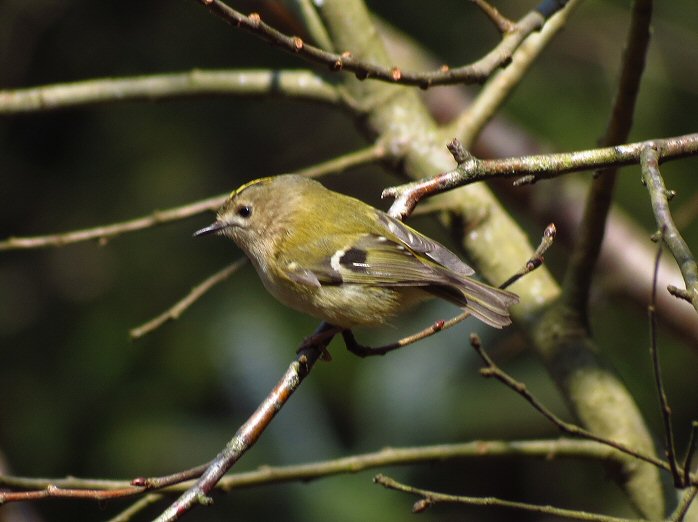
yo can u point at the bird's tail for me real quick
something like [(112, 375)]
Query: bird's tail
[(487, 303)]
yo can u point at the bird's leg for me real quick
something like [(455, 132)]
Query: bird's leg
[(323, 333), (359, 349)]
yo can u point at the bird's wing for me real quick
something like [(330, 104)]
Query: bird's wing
[(421, 244), (365, 259)]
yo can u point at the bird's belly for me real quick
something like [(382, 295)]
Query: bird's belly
[(350, 305)]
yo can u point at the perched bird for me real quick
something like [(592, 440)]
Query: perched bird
[(343, 261)]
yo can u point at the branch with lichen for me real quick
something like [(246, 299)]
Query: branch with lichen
[(545, 449), (659, 195), (530, 169), (302, 85)]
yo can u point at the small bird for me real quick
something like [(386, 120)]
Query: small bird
[(338, 259)]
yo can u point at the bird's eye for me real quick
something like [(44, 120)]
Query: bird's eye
[(244, 211)]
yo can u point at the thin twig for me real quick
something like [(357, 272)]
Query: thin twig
[(429, 498), (684, 504), (690, 451), (135, 508), (106, 232), (302, 85), (659, 196), (534, 168), (665, 410), (537, 258), (470, 122), (581, 268), (476, 72), (492, 370), (249, 432), (181, 306), (501, 22), (370, 154)]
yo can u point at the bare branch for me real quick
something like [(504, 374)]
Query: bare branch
[(502, 83), (686, 500), (545, 449), (142, 503), (430, 498), (476, 72), (501, 22), (302, 85), (530, 169), (106, 232), (587, 248), (690, 451), (492, 370), (249, 432), (665, 410), (183, 304), (652, 178)]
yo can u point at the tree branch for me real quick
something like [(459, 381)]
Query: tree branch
[(430, 498), (476, 72), (665, 410), (545, 449), (249, 432), (491, 370), (659, 196), (585, 254), (104, 233), (303, 85), (471, 120), (173, 313), (530, 169)]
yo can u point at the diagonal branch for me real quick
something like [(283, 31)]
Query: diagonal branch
[(491, 370), (659, 196), (429, 498), (249, 433), (103, 233), (471, 120), (173, 313)]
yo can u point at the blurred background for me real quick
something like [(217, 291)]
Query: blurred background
[(77, 397)]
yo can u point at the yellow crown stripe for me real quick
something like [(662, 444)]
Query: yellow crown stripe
[(249, 184)]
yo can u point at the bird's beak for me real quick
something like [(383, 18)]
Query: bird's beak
[(213, 228)]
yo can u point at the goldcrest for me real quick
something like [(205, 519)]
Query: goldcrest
[(338, 259)]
